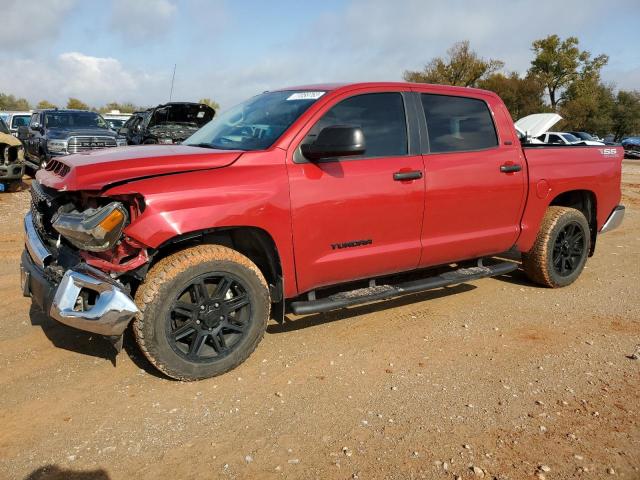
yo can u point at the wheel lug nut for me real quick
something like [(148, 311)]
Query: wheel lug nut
[(201, 307), (221, 317), (198, 322), (216, 305)]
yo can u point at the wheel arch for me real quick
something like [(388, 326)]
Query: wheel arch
[(253, 242), (586, 202)]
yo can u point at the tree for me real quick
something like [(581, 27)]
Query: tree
[(588, 106), (76, 104), (126, 107), (626, 114), (10, 102), (522, 96), (45, 104), (558, 63), (462, 67), (212, 103)]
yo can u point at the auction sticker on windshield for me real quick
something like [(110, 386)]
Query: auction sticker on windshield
[(305, 96)]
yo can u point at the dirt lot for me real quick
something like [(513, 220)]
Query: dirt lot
[(512, 379)]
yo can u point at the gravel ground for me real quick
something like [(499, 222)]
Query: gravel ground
[(495, 379)]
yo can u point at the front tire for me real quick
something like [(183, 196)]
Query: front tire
[(561, 248), (203, 311)]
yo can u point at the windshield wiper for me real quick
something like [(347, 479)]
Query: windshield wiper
[(215, 147), (201, 145)]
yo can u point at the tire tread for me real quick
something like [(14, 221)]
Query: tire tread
[(165, 271)]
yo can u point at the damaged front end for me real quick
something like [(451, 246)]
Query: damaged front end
[(78, 265)]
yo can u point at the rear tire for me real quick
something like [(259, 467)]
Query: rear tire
[(561, 248), (203, 311)]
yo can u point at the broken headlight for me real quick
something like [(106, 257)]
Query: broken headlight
[(95, 229)]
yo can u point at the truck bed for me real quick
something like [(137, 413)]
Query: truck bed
[(555, 169)]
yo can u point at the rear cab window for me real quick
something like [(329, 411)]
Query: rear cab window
[(458, 124), (19, 121)]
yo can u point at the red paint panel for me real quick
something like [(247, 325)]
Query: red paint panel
[(354, 200), (566, 169), (253, 193)]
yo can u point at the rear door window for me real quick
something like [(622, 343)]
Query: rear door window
[(458, 124)]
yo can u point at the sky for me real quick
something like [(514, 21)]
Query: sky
[(125, 50)]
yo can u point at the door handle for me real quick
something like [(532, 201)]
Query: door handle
[(404, 176), (509, 168)]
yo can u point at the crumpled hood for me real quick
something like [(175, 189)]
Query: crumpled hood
[(96, 169), (9, 140)]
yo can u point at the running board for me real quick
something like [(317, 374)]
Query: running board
[(384, 292)]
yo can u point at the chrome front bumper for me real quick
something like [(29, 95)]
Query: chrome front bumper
[(614, 220), (110, 309)]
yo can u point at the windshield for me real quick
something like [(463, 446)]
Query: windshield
[(115, 123), (570, 138), (3, 126), (74, 120), (20, 121), (582, 135), (256, 123)]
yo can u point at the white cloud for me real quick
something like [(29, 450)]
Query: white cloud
[(141, 20), (26, 23), (94, 80), (367, 40)]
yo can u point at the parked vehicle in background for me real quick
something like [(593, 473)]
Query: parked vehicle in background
[(54, 133), (564, 138), (11, 158), (166, 124), (15, 120), (631, 147), (115, 119), (322, 196), (587, 138), (533, 126)]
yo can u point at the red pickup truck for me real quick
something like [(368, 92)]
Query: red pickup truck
[(308, 198)]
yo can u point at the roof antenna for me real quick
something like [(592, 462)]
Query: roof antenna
[(172, 79)]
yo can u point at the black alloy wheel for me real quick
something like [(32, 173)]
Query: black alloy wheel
[(209, 317), (568, 249)]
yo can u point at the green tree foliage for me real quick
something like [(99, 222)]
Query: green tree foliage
[(462, 67), (10, 102), (212, 103), (126, 107), (588, 106), (558, 63), (76, 104), (45, 104), (522, 96), (626, 114)]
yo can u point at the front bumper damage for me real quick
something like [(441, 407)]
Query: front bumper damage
[(85, 298)]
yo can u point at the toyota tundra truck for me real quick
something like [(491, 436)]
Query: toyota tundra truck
[(305, 200)]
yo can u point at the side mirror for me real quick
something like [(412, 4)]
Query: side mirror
[(123, 131), (335, 141), (35, 126), (23, 132)]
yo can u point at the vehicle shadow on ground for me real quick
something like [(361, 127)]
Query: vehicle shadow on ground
[(53, 472), (90, 344), (71, 339), (312, 320)]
